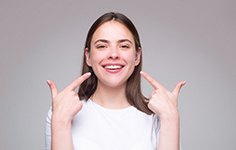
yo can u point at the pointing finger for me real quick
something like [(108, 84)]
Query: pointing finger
[(76, 83), (152, 81), (53, 88), (178, 87)]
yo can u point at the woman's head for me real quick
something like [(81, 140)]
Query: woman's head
[(133, 87)]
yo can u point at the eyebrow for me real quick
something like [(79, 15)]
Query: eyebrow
[(101, 40), (125, 40), (119, 41)]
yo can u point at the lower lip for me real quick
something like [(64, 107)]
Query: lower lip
[(113, 70)]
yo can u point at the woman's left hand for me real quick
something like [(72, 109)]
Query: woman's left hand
[(163, 102)]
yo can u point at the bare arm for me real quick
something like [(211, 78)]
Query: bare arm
[(165, 104), (61, 138), (169, 133)]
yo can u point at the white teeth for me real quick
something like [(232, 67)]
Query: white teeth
[(113, 67)]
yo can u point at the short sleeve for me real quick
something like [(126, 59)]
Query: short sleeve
[(48, 130)]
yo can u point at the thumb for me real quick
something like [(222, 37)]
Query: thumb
[(178, 87), (53, 88)]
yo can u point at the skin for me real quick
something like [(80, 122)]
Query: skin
[(112, 43)]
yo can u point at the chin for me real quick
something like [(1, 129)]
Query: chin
[(113, 83)]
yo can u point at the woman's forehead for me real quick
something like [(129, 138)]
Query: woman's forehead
[(112, 31)]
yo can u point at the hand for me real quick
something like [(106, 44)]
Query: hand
[(66, 104), (163, 102)]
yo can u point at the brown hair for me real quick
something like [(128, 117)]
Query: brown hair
[(133, 86)]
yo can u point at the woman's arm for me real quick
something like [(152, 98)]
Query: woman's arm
[(65, 105), (165, 104), (61, 138), (169, 133)]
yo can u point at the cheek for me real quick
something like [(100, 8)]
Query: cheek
[(96, 57), (130, 58)]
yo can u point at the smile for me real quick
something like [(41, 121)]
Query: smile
[(113, 67)]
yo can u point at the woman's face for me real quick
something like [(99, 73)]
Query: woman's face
[(113, 56)]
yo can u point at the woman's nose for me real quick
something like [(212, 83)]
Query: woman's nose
[(113, 53)]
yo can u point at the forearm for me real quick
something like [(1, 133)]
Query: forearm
[(169, 133), (61, 135)]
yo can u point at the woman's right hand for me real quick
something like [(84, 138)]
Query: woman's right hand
[(66, 104)]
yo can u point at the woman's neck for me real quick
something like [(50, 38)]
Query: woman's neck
[(109, 97)]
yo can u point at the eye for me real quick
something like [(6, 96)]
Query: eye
[(125, 46), (101, 46)]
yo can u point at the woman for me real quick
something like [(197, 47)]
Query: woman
[(109, 112)]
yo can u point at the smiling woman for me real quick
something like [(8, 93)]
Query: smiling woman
[(110, 111)]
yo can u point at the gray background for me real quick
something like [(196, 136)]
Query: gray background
[(192, 40)]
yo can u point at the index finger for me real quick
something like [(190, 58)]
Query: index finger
[(152, 81), (76, 83)]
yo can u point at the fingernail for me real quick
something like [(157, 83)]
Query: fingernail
[(48, 82)]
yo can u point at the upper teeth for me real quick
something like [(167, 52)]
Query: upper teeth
[(113, 67)]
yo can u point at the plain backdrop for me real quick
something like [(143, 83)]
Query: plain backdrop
[(192, 40)]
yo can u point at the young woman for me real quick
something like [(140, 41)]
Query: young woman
[(110, 112)]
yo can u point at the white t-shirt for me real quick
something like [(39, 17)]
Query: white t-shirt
[(99, 128)]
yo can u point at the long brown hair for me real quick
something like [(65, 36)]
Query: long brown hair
[(133, 86)]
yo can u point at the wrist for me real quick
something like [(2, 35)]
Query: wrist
[(60, 122), (170, 117), (170, 124)]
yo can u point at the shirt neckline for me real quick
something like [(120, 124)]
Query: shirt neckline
[(110, 109)]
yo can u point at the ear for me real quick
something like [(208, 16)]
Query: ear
[(138, 56), (87, 55)]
